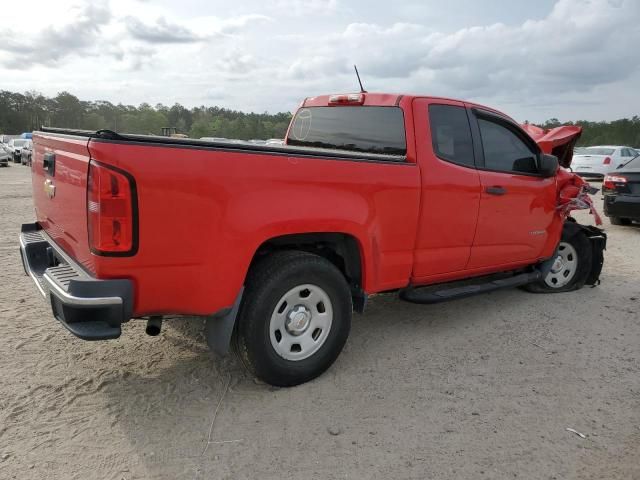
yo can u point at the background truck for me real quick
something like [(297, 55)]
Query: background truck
[(276, 245)]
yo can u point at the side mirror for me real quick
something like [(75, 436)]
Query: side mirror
[(548, 165)]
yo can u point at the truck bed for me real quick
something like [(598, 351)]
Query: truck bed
[(227, 146)]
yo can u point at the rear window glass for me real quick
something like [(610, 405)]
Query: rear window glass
[(358, 129), (451, 134), (19, 143), (635, 163), (598, 151)]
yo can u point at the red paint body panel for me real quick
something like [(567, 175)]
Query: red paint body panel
[(521, 226), (203, 212)]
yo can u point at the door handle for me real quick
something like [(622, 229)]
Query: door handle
[(49, 163), (495, 190)]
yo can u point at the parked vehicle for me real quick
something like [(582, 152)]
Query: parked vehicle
[(25, 155), (15, 147), (5, 156), (621, 190), (27, 135), (596, 162), (275, 245)]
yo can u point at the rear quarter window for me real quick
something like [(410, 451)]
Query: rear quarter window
[(378, 130), (598, 151), (451, 134), (635, 163)]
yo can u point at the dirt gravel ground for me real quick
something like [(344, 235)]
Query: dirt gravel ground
[(483, 387)]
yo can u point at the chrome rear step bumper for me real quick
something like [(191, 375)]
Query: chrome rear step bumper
[(90, 308)]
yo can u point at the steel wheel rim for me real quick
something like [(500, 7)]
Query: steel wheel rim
[(301, 322), (564, 268)]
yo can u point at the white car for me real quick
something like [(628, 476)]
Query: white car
[(596, 162)]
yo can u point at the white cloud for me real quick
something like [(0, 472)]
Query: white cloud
[(78, 34), (161, 31), (305, 7)]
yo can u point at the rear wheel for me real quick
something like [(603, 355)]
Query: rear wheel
[(570, 268), (294, 319), (619, 221)]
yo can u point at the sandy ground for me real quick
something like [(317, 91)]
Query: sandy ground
[(478, 388)]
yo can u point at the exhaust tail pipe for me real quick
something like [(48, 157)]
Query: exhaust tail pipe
[(154, 325)]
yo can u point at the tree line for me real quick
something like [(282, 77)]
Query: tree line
[(25, 112), (625, 131), (32, 110)]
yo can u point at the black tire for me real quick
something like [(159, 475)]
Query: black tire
[(267, 284), (619, 221), (582, 246)]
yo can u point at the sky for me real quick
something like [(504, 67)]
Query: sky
[(534, 60)]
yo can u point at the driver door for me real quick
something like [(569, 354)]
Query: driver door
[(517, 220)]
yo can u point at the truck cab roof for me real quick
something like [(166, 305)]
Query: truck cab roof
[(379, 99)]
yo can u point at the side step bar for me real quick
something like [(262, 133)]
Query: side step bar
[(466, 288)]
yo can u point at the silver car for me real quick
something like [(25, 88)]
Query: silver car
[(15, 147), (4, 156)]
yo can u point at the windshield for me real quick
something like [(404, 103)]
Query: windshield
[(19, 143), (598, 151)]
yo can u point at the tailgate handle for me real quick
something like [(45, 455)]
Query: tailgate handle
[(495, 190), (49, 163)]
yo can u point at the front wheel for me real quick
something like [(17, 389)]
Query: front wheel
[(294, 319), (570, 268)]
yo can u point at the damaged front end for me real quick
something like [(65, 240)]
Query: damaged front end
[(573, 191)]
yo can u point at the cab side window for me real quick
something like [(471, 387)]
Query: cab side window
[(451, 134), (505, 151)]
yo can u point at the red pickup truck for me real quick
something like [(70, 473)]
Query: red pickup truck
[(277, 245)]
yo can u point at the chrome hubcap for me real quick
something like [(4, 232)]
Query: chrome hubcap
[(300, 322), (564, 267)]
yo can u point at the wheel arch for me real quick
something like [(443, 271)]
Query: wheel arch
[(342, 249), (598, 239)]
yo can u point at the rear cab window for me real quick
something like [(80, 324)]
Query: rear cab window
[(365, 129)]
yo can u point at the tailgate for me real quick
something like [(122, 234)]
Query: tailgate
[(59, 176)]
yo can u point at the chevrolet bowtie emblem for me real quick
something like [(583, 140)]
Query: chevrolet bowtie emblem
[(49, 188)]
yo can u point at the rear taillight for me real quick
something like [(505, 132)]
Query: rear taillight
[(111, 210), (612, 181), (607, 161)]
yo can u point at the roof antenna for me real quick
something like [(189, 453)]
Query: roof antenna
[(362, 90)]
